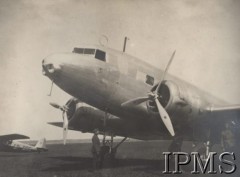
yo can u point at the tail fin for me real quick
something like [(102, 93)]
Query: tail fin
[(41, 144)]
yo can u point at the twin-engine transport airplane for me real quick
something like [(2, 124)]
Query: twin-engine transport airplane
[(8, 145), (133, 99)]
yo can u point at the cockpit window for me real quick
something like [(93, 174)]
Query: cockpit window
[(101, 55), (89, 51), (78, 50), (84, 51)]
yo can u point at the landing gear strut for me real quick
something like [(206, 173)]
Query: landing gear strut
[(203, 149), (108, 151), (108, 148)]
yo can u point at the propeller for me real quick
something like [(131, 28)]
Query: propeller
[(153, 95), (64, 110), (55, 105), (65, 127)]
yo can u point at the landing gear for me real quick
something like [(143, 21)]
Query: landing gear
[(203, 148), (108, 151), (176, 144)]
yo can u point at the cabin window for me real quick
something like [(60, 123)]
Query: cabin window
[(101, 55), (141, 76), (149, 80)]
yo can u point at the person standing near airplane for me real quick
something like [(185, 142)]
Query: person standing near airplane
[(72, 111), (228, 141), (176, 144), (96, 149)]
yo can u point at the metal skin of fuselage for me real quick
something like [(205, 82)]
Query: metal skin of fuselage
[(106, 85), (15, 146)]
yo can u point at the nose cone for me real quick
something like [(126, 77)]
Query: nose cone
[(52, 64), (68, 69)]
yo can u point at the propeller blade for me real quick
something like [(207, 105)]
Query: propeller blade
[(65, 128), (166, 70), (135, 101), (62, 108), (165, 117), (55, 105)]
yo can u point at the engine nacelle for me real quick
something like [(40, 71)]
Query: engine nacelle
[(178, 99), (170, 96), (86, 119)]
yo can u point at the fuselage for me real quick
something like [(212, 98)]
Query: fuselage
[(110, 79), (15, 146)]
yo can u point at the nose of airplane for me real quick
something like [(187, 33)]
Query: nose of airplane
[(50, 65)]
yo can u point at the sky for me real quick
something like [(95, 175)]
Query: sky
[(204, 33)]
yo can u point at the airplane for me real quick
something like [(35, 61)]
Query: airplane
[(7, 144), (133, 99)]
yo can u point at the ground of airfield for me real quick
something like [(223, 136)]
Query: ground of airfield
[(134, 159)]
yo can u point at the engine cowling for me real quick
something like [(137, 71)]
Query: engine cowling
[(71, 107), (169, 97), (177, 98)]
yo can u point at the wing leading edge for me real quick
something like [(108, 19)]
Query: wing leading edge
[(230, 108), (4, 138), (225, 112)]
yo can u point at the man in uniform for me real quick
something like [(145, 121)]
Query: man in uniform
[(96, 149), (228, 141), (176, 144)]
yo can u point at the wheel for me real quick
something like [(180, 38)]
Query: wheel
[(107, 156)]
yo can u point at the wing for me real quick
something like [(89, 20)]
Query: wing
[(225, 111), (5, 138)]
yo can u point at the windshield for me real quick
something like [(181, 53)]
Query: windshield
[(84, 51), (99, 54)]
